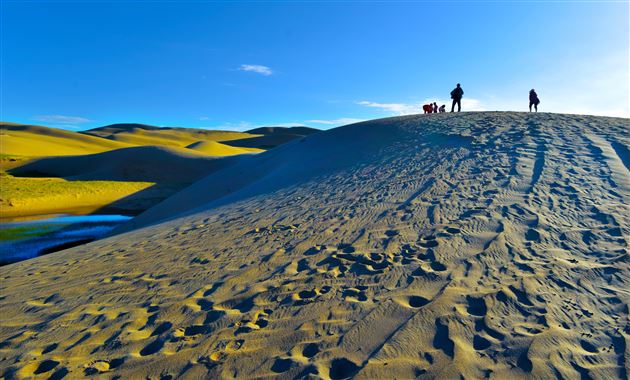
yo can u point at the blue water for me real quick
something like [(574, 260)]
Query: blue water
[(54, 233)]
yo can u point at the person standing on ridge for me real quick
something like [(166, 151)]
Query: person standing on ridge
[(456, 95), (435, 107), (533, 100)]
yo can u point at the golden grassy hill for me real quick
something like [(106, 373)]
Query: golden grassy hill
[(38, 141), (213, 148), (474, 245), (123, 180), (172, 154), (140, 134)]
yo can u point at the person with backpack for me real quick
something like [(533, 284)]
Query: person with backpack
[(533, 100), (457, 95)]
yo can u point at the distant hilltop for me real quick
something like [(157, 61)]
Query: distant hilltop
[(271, 130), (34, 140)]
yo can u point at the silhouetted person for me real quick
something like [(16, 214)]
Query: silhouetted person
[(435, 107), (533, 100), (456, 95), (427, 108), (443, 108)]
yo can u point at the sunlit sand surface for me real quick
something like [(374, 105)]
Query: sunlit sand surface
[(443, 246)]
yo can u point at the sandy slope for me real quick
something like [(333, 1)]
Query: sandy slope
[(475, 245)]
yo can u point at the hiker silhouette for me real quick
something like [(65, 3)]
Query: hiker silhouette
[(456, 95), (533, 100)]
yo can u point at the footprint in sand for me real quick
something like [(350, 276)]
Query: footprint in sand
[(476, 306), (413, 302), (392, 233), (152, 347), (260, 320), (310, 350), (480, 343), (315, 250), (354, 295), (101, 366), (452, 230), (442, 340), (281, 365), (50, 348), (45, 366), (342, 368)]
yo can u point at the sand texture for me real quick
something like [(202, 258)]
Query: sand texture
[(477, 245)]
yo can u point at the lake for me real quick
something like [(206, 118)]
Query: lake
[(21, 240)]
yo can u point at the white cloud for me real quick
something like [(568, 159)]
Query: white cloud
[(204, 118), (401, 109), (340, 121), (396, 108), (61, 119), (260, 69), (240, 126)]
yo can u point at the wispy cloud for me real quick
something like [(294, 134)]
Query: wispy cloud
[(400, 109), (396, 108), (61, 119), (340, 121), (259, 69), (240, 126)]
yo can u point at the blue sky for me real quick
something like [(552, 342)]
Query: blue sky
[(239, 65)]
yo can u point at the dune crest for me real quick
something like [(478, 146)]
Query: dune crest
[(213, 148), (37, 141), (473, 245)]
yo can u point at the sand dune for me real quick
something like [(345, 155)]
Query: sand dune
[(443, 246), (129, 179), (271, 130), (271, 137), (140, 134), (37, 141), (213, 148), (143, 163)]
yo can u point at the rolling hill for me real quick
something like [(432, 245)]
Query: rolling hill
[(140, 134), (474, 245), (38, 141)]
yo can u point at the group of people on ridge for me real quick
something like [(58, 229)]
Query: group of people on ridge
[(433, 108), (458, 93)]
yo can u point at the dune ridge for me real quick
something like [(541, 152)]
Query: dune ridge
[(472, 245), (37, 141), (213, 148), (173, 137)]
